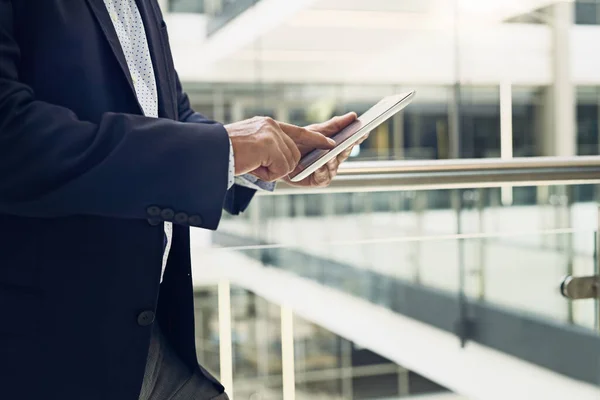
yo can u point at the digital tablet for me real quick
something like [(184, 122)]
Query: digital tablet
[(368, 121)]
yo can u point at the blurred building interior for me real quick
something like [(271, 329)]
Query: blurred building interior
[(438, 284)]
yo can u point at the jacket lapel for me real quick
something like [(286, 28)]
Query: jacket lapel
[(158, 44), (99, 9)]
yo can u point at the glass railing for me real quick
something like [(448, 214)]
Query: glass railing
[(476, 249), (487, 246)]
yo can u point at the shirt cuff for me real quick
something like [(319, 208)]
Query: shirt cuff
[(249, 181), (231, 176), (252, 182)]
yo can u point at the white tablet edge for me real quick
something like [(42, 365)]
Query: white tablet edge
[(354, 138)]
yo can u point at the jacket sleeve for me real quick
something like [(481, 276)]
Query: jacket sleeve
[(238, 197), (52, 164)]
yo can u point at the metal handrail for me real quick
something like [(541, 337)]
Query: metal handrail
[(372, 176)]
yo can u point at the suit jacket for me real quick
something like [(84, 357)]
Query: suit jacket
[(86, 183)]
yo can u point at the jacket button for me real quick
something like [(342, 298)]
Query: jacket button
[(153, 211), (167, 214), (154, 221), (146, 318), (195, 220), (181, 218)]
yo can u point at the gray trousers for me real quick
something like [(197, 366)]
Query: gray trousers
[(168, 378)]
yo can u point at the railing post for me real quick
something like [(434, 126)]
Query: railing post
[(597, 268), (346, 375), (419, 203), (482, 244), (569, 245), (506, 135), (225, 344), (403, 382), (464, 324), (287, 353)]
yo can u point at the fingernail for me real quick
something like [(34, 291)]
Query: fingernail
[(331, 141)]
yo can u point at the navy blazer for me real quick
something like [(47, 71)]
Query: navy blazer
[(86, 183)]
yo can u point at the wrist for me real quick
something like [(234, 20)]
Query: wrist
[(240, 147)]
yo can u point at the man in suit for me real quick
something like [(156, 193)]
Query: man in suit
[(103, 168)]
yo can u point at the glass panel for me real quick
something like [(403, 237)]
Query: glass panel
[(509, 283), (381, 215), (463, 261), (511, 255), (515, 272)]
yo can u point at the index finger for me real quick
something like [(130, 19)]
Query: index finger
[(334, 125), (305, 137)]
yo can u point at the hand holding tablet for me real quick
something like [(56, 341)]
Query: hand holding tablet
[(368, 121)]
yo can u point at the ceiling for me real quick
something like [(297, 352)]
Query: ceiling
[(373, 41)]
